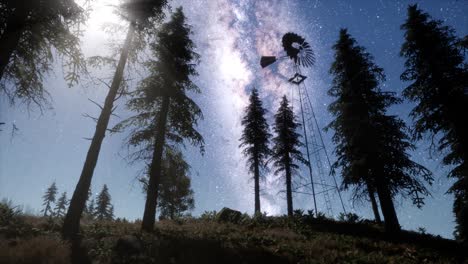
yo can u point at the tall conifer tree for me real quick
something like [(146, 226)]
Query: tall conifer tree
[(286, 148), (176, 194), (255, 140), (142, 16), (371, 145), (49, 199), (436, 67), (104, 210), (61, 206), (166, 114)]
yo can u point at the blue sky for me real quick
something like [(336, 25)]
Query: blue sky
[(230, 36)]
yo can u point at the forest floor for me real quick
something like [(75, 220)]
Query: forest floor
[(207, 239)]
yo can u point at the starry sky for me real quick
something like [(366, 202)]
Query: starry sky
[(230, 37)]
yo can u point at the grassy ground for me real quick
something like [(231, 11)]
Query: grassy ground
[(261, 239)]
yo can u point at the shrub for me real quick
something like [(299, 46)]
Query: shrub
[(208, 216), (9, 214), (349, 218), (35, 251), (422, 230)]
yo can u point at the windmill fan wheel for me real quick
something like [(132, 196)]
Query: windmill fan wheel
[(298, 49)]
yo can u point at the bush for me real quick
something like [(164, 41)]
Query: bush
[(208, 216), (35, 251), (422, 230), (349, 218), (9, 215)]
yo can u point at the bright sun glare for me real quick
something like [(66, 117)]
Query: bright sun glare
[(103, 12)]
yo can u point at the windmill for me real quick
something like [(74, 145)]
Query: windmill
[(298, 51)]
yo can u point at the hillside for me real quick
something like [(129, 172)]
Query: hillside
[(215, 239)]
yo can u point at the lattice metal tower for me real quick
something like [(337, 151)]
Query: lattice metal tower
[(319, 165)]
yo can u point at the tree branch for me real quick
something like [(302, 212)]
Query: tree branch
[(98, 105)]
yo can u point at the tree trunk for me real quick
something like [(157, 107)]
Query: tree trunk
[(375, 207), (289, 189), (257, 186), (11, 36), (155, 170), (71, 222), (392, 225)]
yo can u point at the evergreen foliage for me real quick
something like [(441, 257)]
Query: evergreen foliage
[(176, 194), (31, 32), (286, 148), (61, 206), (49, 199), (142, 16), (104, 210), (255, 141), (87, 212), (371, 146), (91, 209), (166, 115), (436, 67)]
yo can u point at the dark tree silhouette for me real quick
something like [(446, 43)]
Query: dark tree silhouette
[(61, 206), (30, 31), (141, 14), (104, 210), (49, 199), (166, 115), (436, 67), (176, 194), (286, 145), (86, 210), (371, 146), (255, 140), (90, 211)]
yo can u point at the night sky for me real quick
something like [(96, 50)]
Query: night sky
[(230, 37)]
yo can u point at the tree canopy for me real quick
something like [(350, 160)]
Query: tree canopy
[(437, 71), (371, 145), (32, 32)]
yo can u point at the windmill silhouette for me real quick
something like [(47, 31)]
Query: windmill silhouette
[(299, 52)]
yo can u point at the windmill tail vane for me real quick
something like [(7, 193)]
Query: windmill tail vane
[(267, 60)]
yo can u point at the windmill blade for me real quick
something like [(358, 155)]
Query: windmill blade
[(298, 50), (267, 60)]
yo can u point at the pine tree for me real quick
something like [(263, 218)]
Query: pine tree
[(166, 115), (286, 144), (49, 198), (86, 211), (371, 146), (142, 16), (61, 206), (176, 194), (29, 33), (436, 67), (104, 209), (91, 209), (255, 140)]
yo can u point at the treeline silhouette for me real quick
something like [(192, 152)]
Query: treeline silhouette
[(371, 145), (99, 208)]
